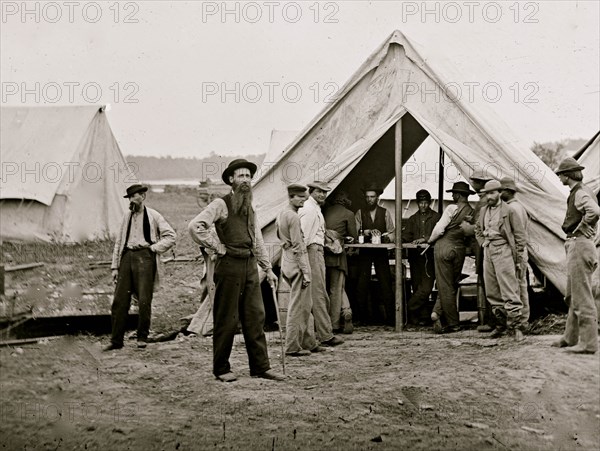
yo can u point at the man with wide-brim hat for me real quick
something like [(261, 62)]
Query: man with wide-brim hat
[(580, 225), (374, 219), (478, 179), (417, 230), (508, 190), (504, 239), (449, 256), (144, 234), (239, 250), (313, 229)]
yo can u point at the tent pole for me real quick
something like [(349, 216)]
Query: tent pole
[(441, 183), (398, 238)]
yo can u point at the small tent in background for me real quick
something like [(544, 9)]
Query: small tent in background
[(64, 176), (589, 157), (380, 115)]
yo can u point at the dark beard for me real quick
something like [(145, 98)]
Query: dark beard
[(241, 200), (134, 207), (371, 207)]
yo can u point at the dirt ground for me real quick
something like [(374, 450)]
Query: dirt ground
[(379, 390)]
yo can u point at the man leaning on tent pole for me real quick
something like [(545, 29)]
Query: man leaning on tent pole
[(143, 235), (580, 225)]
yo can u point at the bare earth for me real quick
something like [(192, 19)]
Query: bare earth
[(379, 390), (406, 391)]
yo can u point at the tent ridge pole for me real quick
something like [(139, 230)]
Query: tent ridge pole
[(399, 289)]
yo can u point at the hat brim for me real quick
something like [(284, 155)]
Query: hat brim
[(377, 191), (231, 169), (461, 191), (576, 168), (142, 189)]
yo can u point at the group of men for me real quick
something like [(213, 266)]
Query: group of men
[(230, 235)]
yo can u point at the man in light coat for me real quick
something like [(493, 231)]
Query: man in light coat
[(504, 240), (313, 229), (144, 234)]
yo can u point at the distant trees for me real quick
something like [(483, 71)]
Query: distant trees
[(549, 153)]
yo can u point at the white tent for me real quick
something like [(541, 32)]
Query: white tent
[(381, 113), (64, 176), (589, 157)]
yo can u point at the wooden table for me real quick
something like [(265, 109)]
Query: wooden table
[(388, 246)]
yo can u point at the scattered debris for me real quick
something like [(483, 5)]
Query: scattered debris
[(23, 267), (470, 424), (426, 407), (377, 439), (310, 387), (400, 402), (535, 431)]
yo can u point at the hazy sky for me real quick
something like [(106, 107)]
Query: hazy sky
[(188, 78)]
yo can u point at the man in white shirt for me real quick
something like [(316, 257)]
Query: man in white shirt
[(313, 229)]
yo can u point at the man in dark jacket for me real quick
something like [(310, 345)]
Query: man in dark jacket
[(373, 220), (339, 219), (417, 230)]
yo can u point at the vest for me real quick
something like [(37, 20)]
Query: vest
[(237, 232), (453, 231), (369, 224), (574, 216)]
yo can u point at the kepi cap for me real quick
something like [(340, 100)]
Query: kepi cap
[(423, 194), (296, 188)]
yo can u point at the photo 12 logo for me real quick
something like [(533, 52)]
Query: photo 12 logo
[(269, 12), (471, 12), (70, 92), (267, 91), (70, 12)]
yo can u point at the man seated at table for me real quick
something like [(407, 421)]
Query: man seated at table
[(417, 230), (375, 220)]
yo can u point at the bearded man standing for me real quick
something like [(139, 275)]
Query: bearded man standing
[(375, 219), (144, 234), (238, 251)]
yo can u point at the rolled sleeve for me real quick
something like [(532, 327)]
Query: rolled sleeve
[(200, 226)]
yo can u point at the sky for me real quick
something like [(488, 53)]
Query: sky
[(189, 78)]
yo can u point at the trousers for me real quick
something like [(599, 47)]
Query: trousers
[(299, 329), (502, 286), (238, 299), (422, 274), (318, 292), (379, 258), (136, 275), (582, 319), (449, 257), (340, 305)]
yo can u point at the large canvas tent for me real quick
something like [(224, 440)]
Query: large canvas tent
[(373, 120), (589, 157), (64, 176)]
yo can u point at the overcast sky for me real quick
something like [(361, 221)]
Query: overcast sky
[(188, 78)]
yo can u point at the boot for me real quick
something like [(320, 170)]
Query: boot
[(437, 323), (348, 326), (588, 337)]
